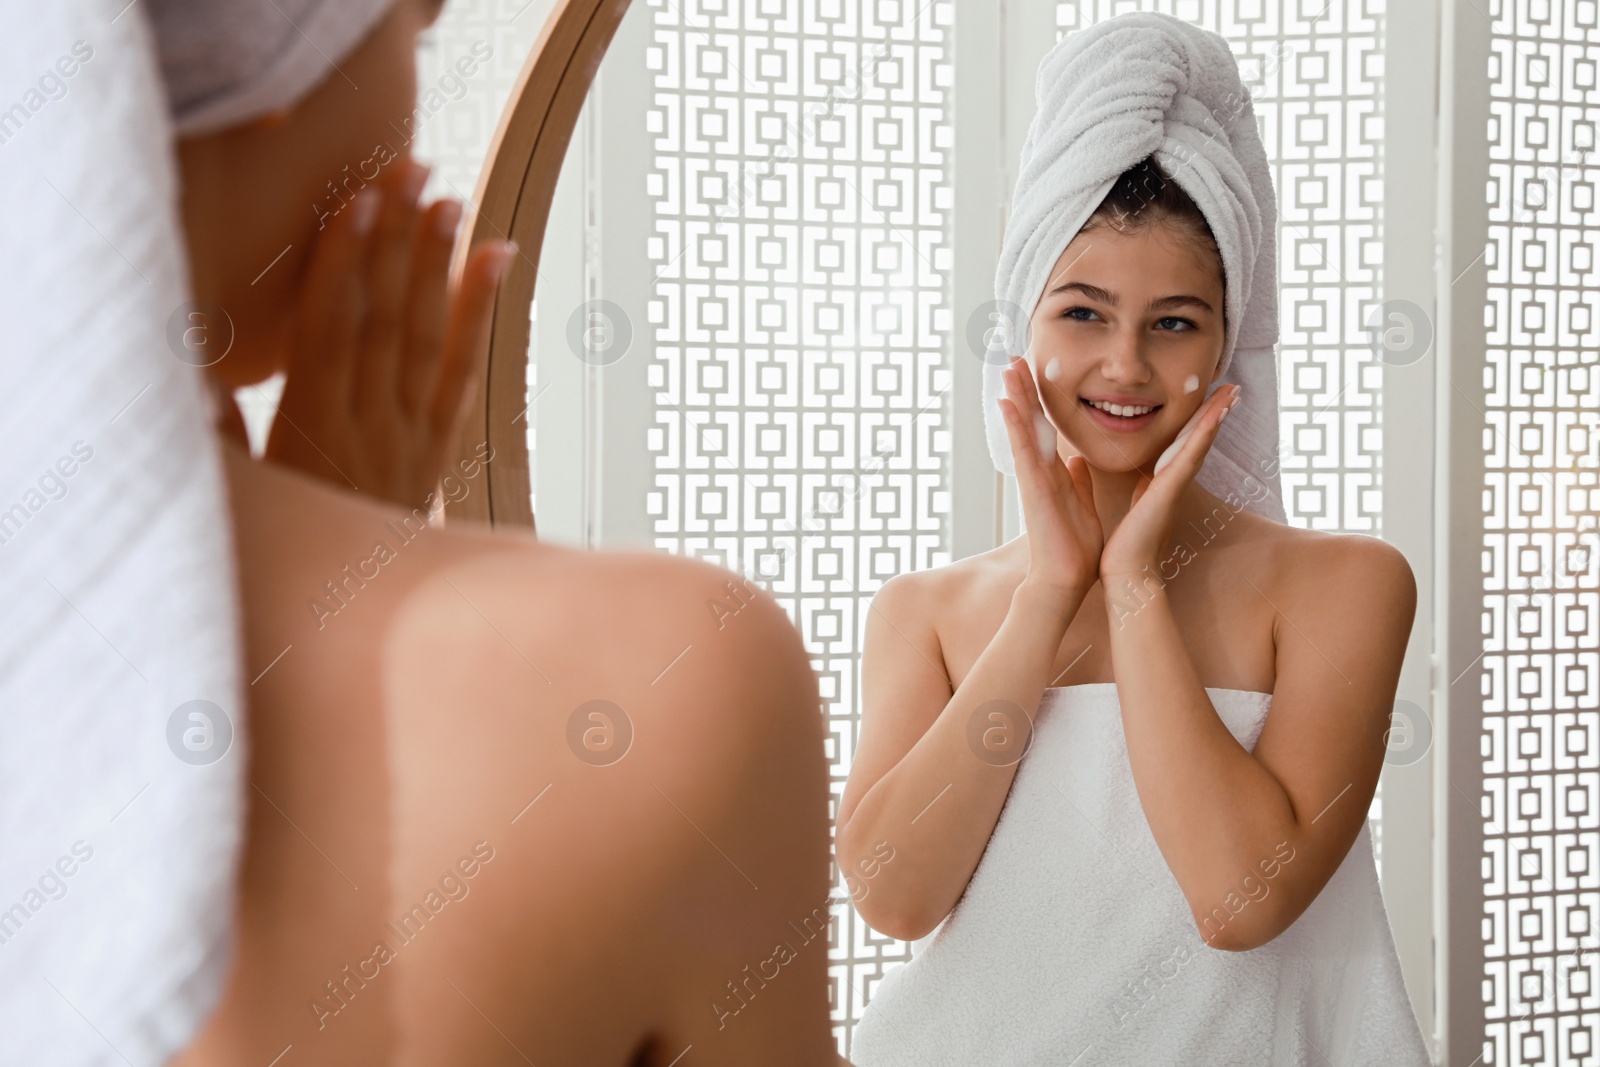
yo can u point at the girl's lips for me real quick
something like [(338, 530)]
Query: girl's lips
[(1118, 423)]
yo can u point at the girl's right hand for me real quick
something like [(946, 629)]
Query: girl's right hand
[(1063, 529), (382, 361)]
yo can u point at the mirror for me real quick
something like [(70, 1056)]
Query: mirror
[(513, 199), (871, 247)]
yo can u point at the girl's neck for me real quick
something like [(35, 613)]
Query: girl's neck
[(1113, 493)]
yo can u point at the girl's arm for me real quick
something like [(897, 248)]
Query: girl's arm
[(933, 768), (1253, 837)]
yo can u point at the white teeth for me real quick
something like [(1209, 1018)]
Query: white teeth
[(1121, 411)]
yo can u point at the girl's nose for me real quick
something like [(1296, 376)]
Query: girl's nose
[(1124, 360)]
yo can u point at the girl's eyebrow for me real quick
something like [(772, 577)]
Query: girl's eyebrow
[(1181, 300), (1160, 303), (1093, 292)]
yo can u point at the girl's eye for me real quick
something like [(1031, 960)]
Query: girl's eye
[(1171, 318), (1069, 313)]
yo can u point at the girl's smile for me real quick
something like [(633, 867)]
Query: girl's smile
[(1126, 418)]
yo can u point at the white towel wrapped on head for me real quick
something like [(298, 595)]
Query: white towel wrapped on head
[(1110, 95), (226, 62)]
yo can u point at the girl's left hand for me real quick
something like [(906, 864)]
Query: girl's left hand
[(1141, 535)]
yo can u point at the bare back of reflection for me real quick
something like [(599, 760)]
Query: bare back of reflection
[(433, 873)]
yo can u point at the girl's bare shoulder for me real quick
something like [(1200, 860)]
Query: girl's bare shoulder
[(616, 611), (1308, 565), (946, 599), (957, 580)]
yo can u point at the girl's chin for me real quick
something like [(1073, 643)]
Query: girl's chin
[(1103, 457)]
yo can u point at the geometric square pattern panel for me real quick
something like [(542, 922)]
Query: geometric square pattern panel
[(800, 316), (467, 64), (1540, 668)]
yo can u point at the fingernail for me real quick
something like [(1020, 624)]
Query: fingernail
[(448, 218), (497, 266), (1170, 452), (366, 209), (416, 178)]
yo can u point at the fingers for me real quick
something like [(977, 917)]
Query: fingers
[(1044, 430), (1210, 418), (1083, 484), (1028, 389), (428, 304), (1024, 449), (1033, 422), (388, 270), (1203, 424), (332, 303), (468, 330)]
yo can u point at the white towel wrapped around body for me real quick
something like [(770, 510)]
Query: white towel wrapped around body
[(1110, 95), (1073, 942)]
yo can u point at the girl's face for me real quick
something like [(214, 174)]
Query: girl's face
[(255, 196), (1131, 319)]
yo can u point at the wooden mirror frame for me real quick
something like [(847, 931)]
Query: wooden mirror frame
[(513, 200)]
